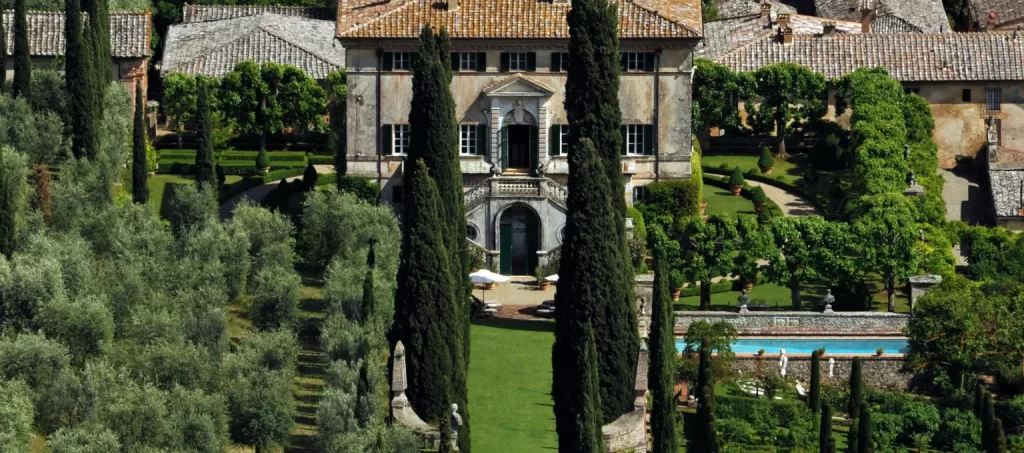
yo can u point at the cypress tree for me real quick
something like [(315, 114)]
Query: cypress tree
[(856, 386), (825, 441), (434, 133), (22, 59), (583, 281), (815, 398), (205, 174), (853, 435), (864, 430), (592, 108), (98, 37), (423, 318), (43, 200), (3, 45), (140, 172), (988, 417), (369, 306), (703, 372), (309, 176), (12, 193), (979, 399), (78, 79), (707, 418), (662, 372), (999, 437)]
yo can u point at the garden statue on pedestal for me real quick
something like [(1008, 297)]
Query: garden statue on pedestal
[(829, 300), (744, 299)]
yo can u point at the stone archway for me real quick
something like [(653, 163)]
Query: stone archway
[(518, 141), (518, 240)]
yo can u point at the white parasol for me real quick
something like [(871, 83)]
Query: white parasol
[(486, 277), (552, 278)]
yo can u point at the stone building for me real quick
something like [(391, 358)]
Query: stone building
[(965, 77), (129, 43), (888, 16), (1006, 181), (510, 59), (996, 14)]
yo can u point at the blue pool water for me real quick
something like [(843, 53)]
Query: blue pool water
[(809, 345)]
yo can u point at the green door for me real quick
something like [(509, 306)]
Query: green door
[(505, 258), (531, 247)]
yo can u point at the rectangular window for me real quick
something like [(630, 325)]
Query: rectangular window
[(467, 139), (563, 143), (517, 61), (637, 62), (994, 98), (400, 139), (401, 61), (966, 96), (467, 61), (639, 193), (559, 61), (634, 139)]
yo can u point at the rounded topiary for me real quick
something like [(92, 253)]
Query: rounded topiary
[(758, 196), (736, 179), (262, 160), (764, 216), (766, 161), (309, 176)]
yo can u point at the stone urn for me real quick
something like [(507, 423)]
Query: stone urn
[(703, 207), (676, 293), (736, 190), (748, 286)]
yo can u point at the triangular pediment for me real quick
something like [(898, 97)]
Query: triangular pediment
[(518, 85)]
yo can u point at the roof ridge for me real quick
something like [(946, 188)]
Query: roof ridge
[(662, 16), (378, 17), (293, 44)]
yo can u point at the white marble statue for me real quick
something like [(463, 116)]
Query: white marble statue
[(783, 362), (456, 418), (831, 367)]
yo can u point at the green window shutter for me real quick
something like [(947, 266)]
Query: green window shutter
[(503, 145), (504, 62), (414, 59), (648, 139), (649, 61), (481, 61), (482, 138), (531, 61), (554, 139), (622, 132), (534, 146), (623, 62), (387, 62), (455, 61), (556, 62), (386, 139)]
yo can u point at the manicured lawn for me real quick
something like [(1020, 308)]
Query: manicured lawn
[(158, 185), (791, 170), (510, 386), (722, 201)]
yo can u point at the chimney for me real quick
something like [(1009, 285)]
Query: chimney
[(828, 29), (991, 24), (866, 14), (766, 9), (783, 20), (787, 35)]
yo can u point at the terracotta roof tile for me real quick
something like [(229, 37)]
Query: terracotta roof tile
[(516, 19), (1006, 11), (207, 13), (129, 33), (724, 36), (996, 56)]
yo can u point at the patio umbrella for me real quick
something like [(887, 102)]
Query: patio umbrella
[(552, 278), (486, 277)]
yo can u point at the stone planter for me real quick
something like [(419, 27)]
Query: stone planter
[(736, 190), (676, 292), (748, 286), (766, 171), (703, 207)]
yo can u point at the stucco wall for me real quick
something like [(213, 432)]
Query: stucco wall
[(800, 322), (487, 216), (884, 372)]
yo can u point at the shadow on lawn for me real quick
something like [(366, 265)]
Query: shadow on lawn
[(517, 324)]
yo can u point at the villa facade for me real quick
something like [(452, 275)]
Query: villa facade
[(510, 63)]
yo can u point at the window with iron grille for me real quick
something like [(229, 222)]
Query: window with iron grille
[(400, 140), (467, 139), (634, 139), (993, 98)]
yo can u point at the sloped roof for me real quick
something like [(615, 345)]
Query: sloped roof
[(515, 19), (214, 48), (207, 13), (724, 36), (919, 16), (729, 9), (996, 56), (1006, 11), (129, 34)]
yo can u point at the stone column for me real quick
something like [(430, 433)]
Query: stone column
[(495, 131), (542, 133)]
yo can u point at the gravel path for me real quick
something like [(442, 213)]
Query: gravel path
[(258, 193), (789, 202)]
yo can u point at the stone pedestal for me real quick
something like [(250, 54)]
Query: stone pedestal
[(919, 285)]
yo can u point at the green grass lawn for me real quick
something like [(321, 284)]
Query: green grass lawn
[(791, 170), (510, 386), (778, 298), (722, 201), (158, 185)]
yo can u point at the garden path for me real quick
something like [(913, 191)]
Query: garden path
[(258, 193), (790, 203)]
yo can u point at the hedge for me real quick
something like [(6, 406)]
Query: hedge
[(180, 168), (747, 192), (758, 411), (667, 200), (694, 290), (320, 160)]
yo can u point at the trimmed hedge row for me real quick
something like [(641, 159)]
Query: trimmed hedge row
[(320, 160), (765, 412), (180, 168)]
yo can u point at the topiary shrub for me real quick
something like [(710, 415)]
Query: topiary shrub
[(309, 177), (758, 196), (262, 160), (766, 161), (736, 179), (666, 201)]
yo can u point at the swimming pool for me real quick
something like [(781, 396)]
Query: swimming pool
[(805, 345)]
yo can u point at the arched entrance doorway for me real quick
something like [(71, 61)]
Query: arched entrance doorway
[(519, 240), (519, 141)]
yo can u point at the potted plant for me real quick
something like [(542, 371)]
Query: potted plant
[(760, 352), (879, 352), (766, 161), (821, 352), (263, 161), (759, 198), (676, 283), (542, 283), (736, 181)]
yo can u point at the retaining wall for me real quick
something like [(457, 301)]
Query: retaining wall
[(800, 322), (878, 372)]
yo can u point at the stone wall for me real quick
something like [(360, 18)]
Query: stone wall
[(878, 372), (799, 322)]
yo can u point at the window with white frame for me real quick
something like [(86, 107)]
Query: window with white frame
[(517, 61), (400, 139), (634, 139), (467, 61), (563, 143), (563, 61), (467, 139), (401, 61), (993, 98)]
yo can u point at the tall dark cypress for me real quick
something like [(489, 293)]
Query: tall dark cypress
[(988, 417), (205, 173), (853, 434), (424, 314), (3, 45), (825, 441), (140, 171), (9, 195), (22, 58), (979, 399), (999, 437), (856, 387), (815, 398), (864, 429), (369, 304), (662, 372), (592, 107), (583, 275), (706, 412), (78, 78), (435, 139), (704, 366)]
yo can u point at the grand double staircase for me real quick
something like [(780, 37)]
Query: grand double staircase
[(516, 187)]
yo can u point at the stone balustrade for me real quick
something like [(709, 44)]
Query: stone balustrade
[(516, 187)]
